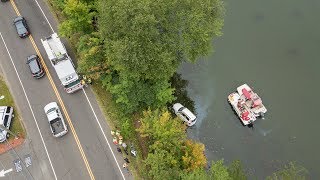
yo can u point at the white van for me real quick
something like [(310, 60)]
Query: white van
[(6, 115)]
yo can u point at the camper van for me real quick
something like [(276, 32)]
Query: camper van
[(6, 115)]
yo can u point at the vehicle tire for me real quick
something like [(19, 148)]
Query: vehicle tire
[(8, 135)]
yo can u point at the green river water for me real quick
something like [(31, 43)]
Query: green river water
[(274, 47)]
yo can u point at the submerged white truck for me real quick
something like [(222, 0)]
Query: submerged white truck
[(62, 63)]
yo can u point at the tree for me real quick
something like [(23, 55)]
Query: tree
[(91, 55), (133, 94), (165, 137), (162, 165), (291, 171), (145, 41), (199, 173), (153, 37), (193, 157), (236, 171), (219, 171), (162, 131), (78, 19)]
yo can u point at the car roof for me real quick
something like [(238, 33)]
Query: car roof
[(188, 113), (21, 28), (33, 64)]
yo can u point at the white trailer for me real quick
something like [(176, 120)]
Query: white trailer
[(62, 63)]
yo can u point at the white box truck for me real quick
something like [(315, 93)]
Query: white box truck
[(62, 63)]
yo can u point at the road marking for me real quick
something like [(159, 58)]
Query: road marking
[(44, 15), (15, 7), (60, 100), (27, 160), (63, 109), (87, 100), (17, 163), (104, 135), (25, 94), (4, 172)]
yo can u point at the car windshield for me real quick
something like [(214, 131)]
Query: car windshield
[(51, 110), (34, 66), (20, 27)]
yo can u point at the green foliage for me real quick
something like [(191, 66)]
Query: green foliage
[(162, 165), (165, 138), (153, 37), (91, 55), (291, 171), (236, 171), (133, 94), (162, 131), (58, 4), (168, 147), (145, 41), (219, 171), (200, 174), (126, 128), (78, 19)]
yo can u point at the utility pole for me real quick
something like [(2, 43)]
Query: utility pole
[(10, 132)]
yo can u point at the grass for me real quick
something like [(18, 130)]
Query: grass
[(115, 120), (16, 125)]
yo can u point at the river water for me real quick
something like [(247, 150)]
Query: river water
[(274, 47)]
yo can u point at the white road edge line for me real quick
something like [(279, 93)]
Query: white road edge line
[(35, 120), (87, 100), (44, 15), (104, 135)]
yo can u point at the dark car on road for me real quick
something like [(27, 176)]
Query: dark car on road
[(21, 25), (35, 66)]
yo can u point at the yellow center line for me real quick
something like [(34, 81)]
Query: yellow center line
[(59, 99), (15, 7)]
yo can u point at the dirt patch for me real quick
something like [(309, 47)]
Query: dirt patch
[(11, 143), (142, 141)]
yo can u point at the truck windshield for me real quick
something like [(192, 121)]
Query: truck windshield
[(72, 84), (51, 110)]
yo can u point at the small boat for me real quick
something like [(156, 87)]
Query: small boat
[(247, 104)]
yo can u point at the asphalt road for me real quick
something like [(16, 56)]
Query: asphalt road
[(66, 160)]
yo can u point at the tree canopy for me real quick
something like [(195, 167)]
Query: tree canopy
[(145, 41), (79, 19), (170, 153), (291, 171)]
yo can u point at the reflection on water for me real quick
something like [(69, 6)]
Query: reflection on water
[(274, 47)]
